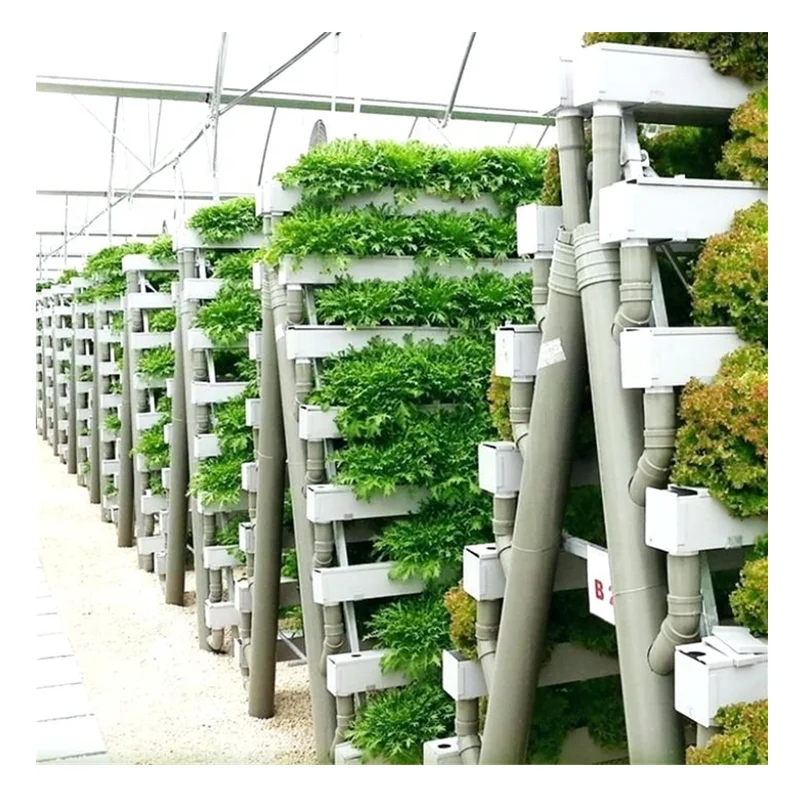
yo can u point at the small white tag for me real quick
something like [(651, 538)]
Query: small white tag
[(550, 353)]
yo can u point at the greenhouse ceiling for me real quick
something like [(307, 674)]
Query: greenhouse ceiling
[(162, 96)]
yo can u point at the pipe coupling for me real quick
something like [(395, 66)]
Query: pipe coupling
[(594, 262), (563, 276)]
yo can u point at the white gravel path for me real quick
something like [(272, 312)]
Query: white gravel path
[(158, 698)]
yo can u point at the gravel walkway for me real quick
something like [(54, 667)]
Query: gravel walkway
[(158, 698)]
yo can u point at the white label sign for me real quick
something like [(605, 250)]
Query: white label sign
[(598, 579)]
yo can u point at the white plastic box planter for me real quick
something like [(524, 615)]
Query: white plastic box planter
[(681, 519), (197, 339), (160, 564), (109, 401), (499, 468), (206, 445), (109, 467), (537, 227), (84, 442), (653, 358), (107, 435), (730, 666), (247, 537), (252, 412), (140, 463), (186, 238), (659, 84), (107, 336), (441, 752), (516, 351), (107, 368), (138, 262), (148, 300), (345, 754), (141, 383), (331, 503), (462, 679), (250, 476), (243, 596), (200, 288), (672, 209), (360, 582), (322, 341), (84, 414), (83, 387), (221, 615), (315, 423), (350, 673), (315, 271), (150, 545), (153, 503), (146, 419), (168, 433), (148, 341), (165, 477), (219, 508), (218, 557), (203, 393)]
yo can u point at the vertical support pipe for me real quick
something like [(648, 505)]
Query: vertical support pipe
[(127, 496), (322, 702), (56, 347), (178, 464), (269, 520), (561, 375), (42, 348), (94, 465), (187, 309), (469, 743), (637, 571), (72, 418)]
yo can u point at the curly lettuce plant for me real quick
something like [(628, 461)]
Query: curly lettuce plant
[(227, 221), (161, 250), (231, 315), (158, 362), (746, 155), (744, 738)]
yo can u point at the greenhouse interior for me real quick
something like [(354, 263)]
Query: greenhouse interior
[(426, 430)]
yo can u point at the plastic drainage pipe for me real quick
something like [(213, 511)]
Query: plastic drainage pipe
[(469, 743), (487, 623), (537, 527), (504, 510), (637, 571), (72, 418), (684, 606), (636, 286), (125, 523), (519, 412), (541, 276), (94, 455), (323, 707), (652, 469), (188, 310), (178, 466), (269, 522)]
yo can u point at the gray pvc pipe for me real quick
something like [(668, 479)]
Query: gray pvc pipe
[(72, 430), (684, 606), (541, 275), (56, 346), (345, 714), (187, 310), (487, 624), (652, 469), (637, 571), (178, 470), (42, 345), (519, 412), (469, 743), (269, 521), (636, 286), (127, 499), (94, 458), (322, 702), (504, 510)]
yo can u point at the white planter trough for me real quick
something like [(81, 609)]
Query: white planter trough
[(247, 537), (681, 519), (206, 445), (148, 341), (110, 501), (315, 423), (108, 436), (83, 387), (84, 442), (107, 368), (84, 334), (499, 468), (146, 419), (107, 336), (63, 355), (659, 84), (63, 424), (64, 333), (168, 433), (203, 393), (221, 615), (108, 401), (462, 679), (243, 596), (219, 508), (537, 227), (441, 753), (141, 383), (730, 666), (350, 673), (160, 563), (359, 582), (149, 300), (84, 414), (517, 351), (315, 271), (200, 288), (256, 276), (109, 467), (138, 262), (197, 339), (345, 754), (321, 341), (218, 557), (153, 503), (150, 545), (330, 503), (665, 357), (140, 463), (252, 412), (672, 209), (165, 477), (186, 238), (250, 476)]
